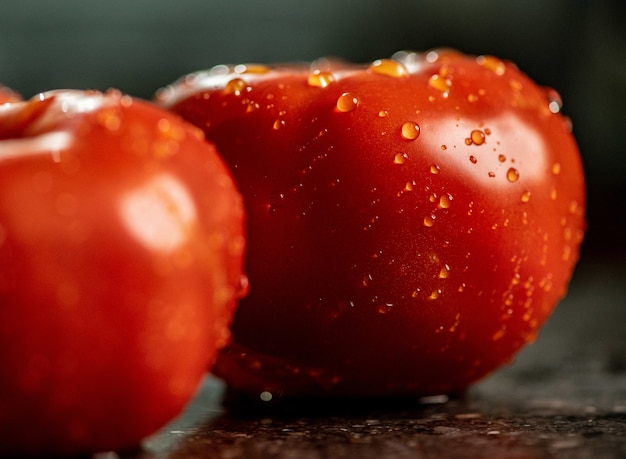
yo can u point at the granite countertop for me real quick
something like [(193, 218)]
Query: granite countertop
[(563, 397)]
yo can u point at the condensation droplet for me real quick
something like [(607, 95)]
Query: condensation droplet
[(445, 200), (278, 124), (383, 114), (525, 196), (400, 158), (512, 175), (439, 83), (501, 158), (556, 168), (434, 295), (444, 147), (444, 272), (435, 169), (409, 186), (389, 67), (252, 68), (410, 130), (473, 159), (347, 102), (320, 79), (491, 174), (235, 86), (429, 220), (477, 136), (553, 194), (492, 63), (472, 98)]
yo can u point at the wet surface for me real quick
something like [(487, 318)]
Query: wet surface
[(564, 397)]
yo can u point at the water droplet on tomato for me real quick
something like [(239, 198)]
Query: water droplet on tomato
[(472, 98), (440, 83), (320, 79), (235, 86), (410, 130), (435, 169), (278, 124), (252, 68), (434, 295), (501, 158), (385, 308), (409, 186), (525, 196), (400, 158), (347, 102), (383, 114), (444, 272), (556, 168), (445, 200), (477, 137), (492, 63), (389, 67), (473, 159), (512, 175), (429, 220)]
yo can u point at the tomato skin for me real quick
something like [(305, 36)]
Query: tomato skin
[(7, 95), (387, 259), (121, 251)]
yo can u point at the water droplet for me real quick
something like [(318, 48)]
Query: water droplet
[(477, 137), (553, 194), (278, 124), (409, 186), (252, 68), (512, 175), (487, 131), (440, 83), (473, 159), (444, 272), (385, 308), (400, 158), (429, 220), (410, 130), (235, 86), (501, 158), (525, 196), (347, 102), (445, 200), (389, 67), (266, 396), (444, 147), (434, 295), (320, 79), (243, 287), (555, 103), (383, 114), (472, 98), (556, 168), (109, 119), (491, 174), (492, 63), (435, 169)]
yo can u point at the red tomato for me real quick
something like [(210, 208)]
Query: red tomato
[(121, 249), (8, 95), (412, 222)]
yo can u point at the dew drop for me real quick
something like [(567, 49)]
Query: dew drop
[(383, 114), (435, 169), (434, 295), (492, 63), (477, 137), (501, 158), (252, 68), (491, 174), (235, 86), (429, 220), (525, 196), (473, 159), (320, 79), (409, 186), (445, 201), (439, 83), (444, 272), (444, 147), (400, 158), (410, 130), (553, 194), (472, 98), (347, 102), (512, 175), (556, 168), (278, 124), (389, 67)]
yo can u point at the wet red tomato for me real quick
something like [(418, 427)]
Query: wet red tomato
[(121, 246), (412, 222)]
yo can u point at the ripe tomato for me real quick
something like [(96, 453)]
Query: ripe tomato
[(412, 222), (121, 251)]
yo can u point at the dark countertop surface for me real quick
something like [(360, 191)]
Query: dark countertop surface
[(563, 397)]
